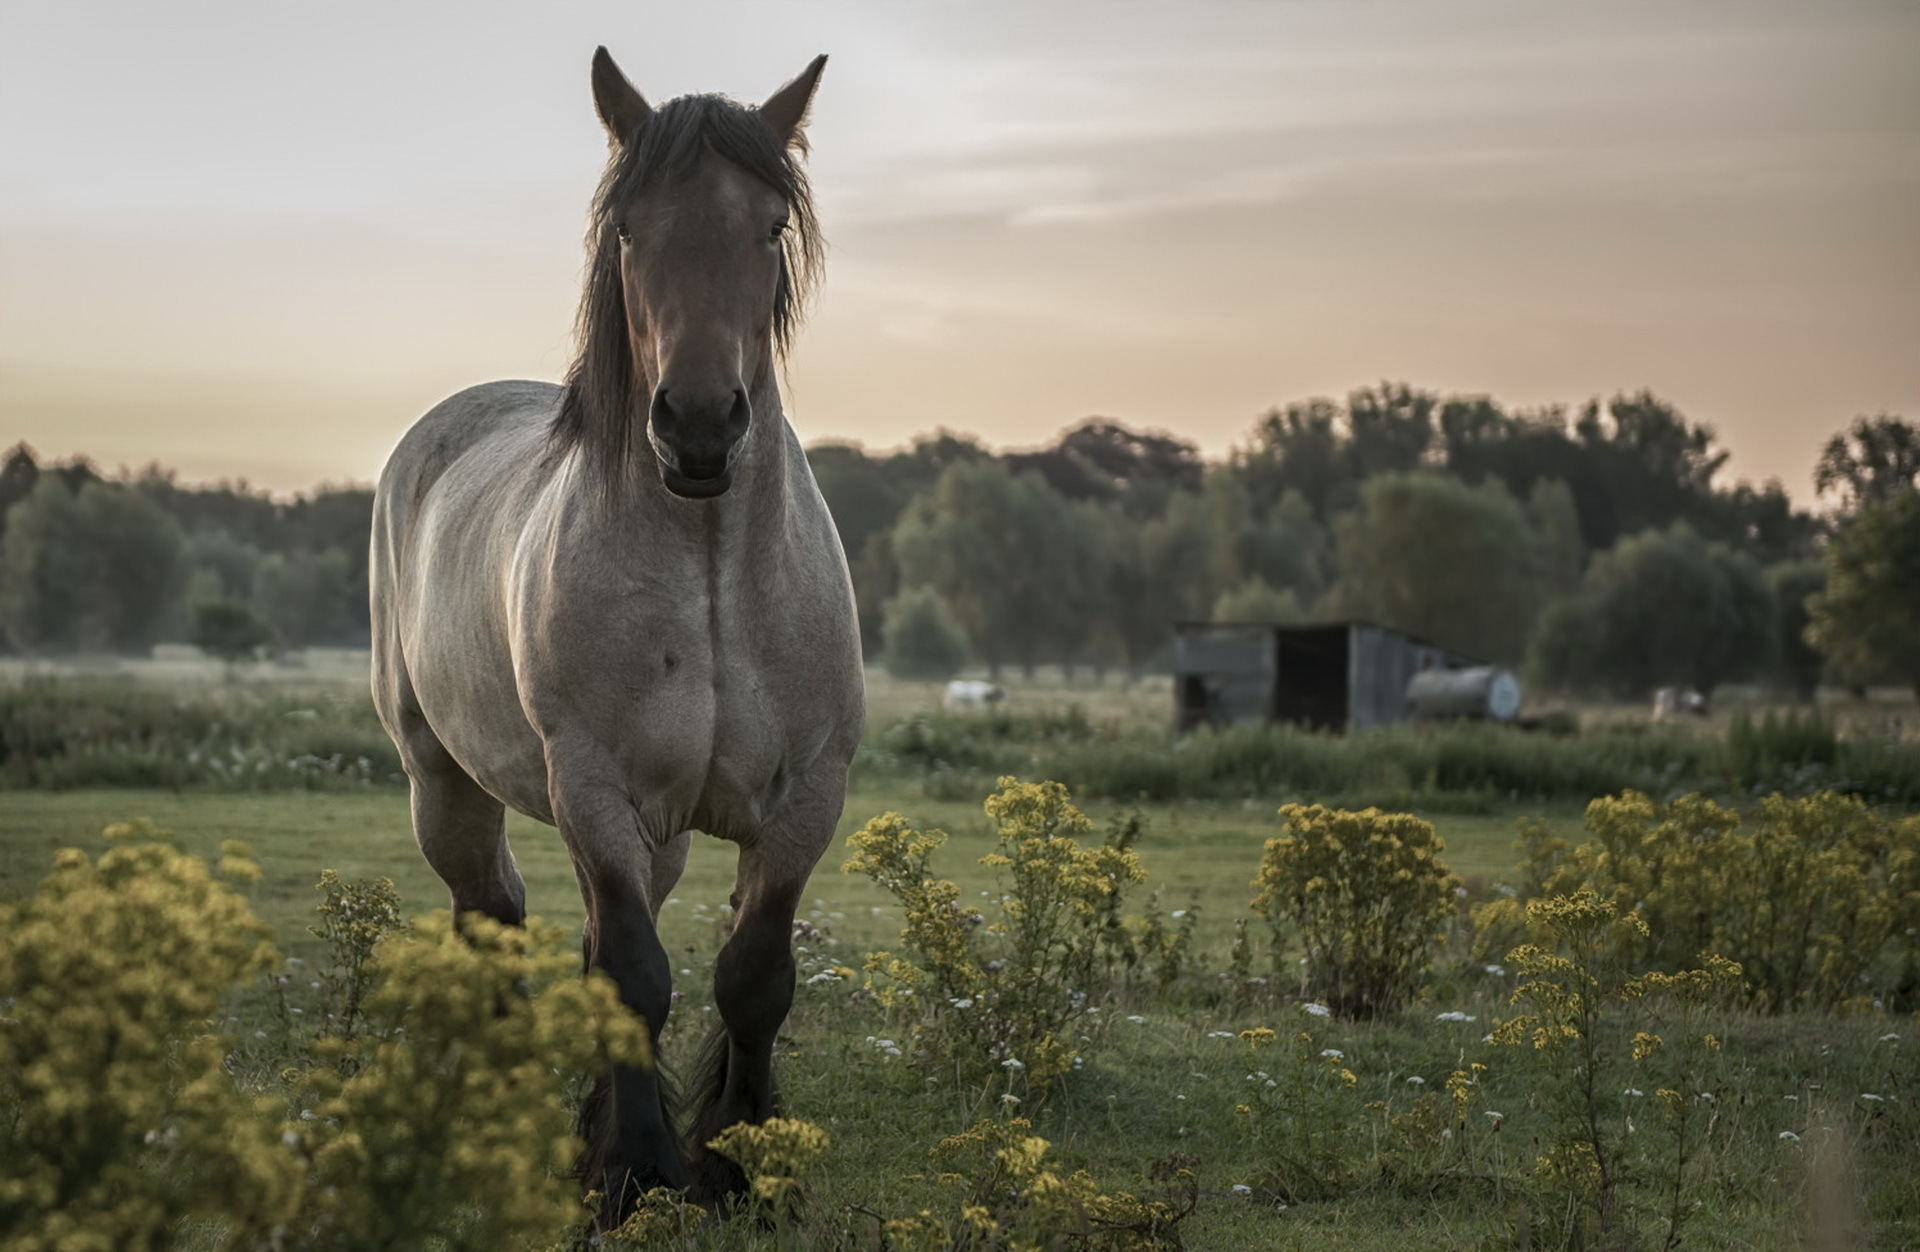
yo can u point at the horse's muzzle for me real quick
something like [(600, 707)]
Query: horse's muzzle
[(688, 488), (697, 437)]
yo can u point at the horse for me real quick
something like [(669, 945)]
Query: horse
[(634, 638)]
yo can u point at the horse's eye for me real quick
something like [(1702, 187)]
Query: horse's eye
[(620, 231), (779, 229)]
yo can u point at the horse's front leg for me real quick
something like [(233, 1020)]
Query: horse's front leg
[(753, 983), (631, 1147)]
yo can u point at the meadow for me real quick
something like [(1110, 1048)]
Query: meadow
[(1805, 1124)]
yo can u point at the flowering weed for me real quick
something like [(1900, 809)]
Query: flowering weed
[(1014, 994), (1368, 896)]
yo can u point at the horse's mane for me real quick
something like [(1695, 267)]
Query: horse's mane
[(597, 411)]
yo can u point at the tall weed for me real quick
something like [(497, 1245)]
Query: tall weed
[(1014, 994)]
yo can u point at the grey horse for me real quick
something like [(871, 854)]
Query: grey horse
[(620, 606)]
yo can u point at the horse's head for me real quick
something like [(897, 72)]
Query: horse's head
[(705, 233)]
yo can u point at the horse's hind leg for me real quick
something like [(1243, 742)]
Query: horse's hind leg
[(462, 831)]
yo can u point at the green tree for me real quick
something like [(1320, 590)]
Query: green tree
[(1156, 575), (1429, 555), (1254, 601), (228, 630), (1556, 528), (92, 568), (1662, 607), (1800, 664), (922, 641), (1875, 461), (1868, 618), (1004, 552), (304, 598)]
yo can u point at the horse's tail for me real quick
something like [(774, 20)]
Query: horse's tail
[(713, 1176), (595, 1127)]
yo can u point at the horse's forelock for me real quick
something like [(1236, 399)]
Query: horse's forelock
[(596, 410)]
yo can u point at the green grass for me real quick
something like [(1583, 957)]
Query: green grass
[(1156, 1086), (1194, 851)]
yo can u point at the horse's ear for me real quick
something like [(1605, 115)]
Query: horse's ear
[(623, 110), (786, 109)]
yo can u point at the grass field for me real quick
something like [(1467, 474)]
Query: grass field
[(1206, 852), (1167, 1076)]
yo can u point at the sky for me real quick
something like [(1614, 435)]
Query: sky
[(256, 240)]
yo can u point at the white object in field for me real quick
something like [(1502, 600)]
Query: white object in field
[(1670, 702), (1481, 691), (967, 693)]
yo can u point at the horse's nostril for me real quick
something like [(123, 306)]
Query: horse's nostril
[(740, 416)]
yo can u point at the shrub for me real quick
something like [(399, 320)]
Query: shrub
[(117, 1118), (447, 1118), (1817, 897), (1367, 895), (61, 733), (1008, 995), (920, 637), (443, 1122)]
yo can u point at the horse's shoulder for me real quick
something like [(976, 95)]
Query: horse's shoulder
[(490, 407), (469, 420)]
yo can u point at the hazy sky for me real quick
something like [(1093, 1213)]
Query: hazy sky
[(258, 238)]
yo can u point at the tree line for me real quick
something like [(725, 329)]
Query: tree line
[(92, 563), (1596, 547)]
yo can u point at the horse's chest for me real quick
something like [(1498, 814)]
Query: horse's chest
[(716, 730)]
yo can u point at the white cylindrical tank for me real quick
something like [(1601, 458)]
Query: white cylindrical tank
[(1488, 692)]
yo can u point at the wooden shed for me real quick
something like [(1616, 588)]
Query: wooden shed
[(1342, 676)]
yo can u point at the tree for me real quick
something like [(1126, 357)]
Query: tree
[(94, 567), (1005, 553), (922, 641), (1874, 461), (1389, 428), (1254, 601), (1660, 608), (304, 598), (228, 630), (1800, 664), (1867, 620), (1429, 555), (1299, 448), (1156, 575), (1101, 459), (1556, 528)]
